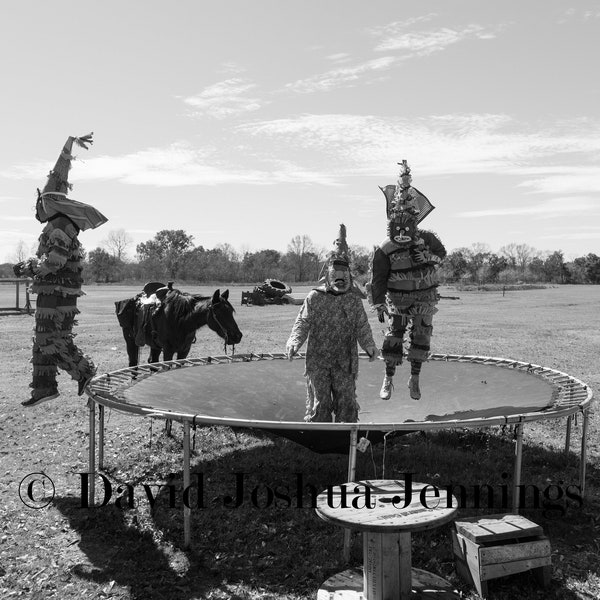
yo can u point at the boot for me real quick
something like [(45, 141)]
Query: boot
[(39, 398), (413, 387), (386, 388)]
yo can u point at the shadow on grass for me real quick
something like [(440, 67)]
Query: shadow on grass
[(271, 544), (118, 551)]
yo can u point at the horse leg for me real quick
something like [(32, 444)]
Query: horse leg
[(184, 351), (168, 352), (154, 354), (132, 348)]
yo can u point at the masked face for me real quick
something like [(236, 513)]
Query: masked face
[(403, 229), (338, 278)]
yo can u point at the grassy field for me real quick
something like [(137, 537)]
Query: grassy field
[(69, 552)]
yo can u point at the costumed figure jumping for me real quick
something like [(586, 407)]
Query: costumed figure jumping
[(56, 272), (404, 281), (333, 319)]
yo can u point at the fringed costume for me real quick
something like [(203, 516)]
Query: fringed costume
[(404, 281), (56, 272), (333, 319)]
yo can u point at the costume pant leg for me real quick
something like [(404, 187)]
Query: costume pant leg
[(420, 338), (319, 405), (392, 349), (43, 356), (345, 405), (69, 357)]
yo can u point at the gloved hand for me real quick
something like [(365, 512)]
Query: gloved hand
[(419, 256), (23, 269), (373, 353), (382, 312)]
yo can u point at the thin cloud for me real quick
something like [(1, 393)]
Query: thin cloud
[(573, 180), (341, 76), (423, 43), (573, 235), (572, 14), (556, 207), (399, 46), (225, 99), (339, 57)]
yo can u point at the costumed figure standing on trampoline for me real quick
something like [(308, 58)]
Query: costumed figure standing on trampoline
[(56, 272), (404, 281), (333, 319)]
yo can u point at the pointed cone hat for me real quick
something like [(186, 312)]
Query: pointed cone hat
[(340, 254), (53, 199), (403, 195)]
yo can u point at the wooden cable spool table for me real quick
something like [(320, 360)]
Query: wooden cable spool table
[(387, 512)]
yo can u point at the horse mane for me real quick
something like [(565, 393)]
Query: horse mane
[(183, 305)]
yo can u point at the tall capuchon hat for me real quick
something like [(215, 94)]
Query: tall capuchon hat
[(403, 197), (340, 255), (53, 199)]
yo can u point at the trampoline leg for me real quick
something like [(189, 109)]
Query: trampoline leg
[(582, 465), (92, 453), (568, 435), (186, 482), (100, 437), (351, 475), (518, 461)]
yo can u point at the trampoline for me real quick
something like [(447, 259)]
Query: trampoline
[(267, 392)]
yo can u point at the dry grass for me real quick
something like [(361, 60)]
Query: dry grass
[(65, 551)]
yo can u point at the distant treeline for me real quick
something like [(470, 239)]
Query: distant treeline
[(171, 255)]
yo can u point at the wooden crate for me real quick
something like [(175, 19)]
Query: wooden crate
[(498, 545)]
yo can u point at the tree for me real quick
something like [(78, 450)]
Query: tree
[(103, 268), (555, 269), (518, 255), (593, 268), (524, 254), (456, 264), (167, 249), (302, 258), (510, 252), (537, 269), (261, 265), (360, 262), (497, 264), (587, 267), (20, 253), (117, 242)]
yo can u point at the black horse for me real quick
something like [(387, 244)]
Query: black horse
[(167, 320)]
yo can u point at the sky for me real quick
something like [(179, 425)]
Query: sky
[(251, 122)]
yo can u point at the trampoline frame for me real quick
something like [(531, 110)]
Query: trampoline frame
[(573, 397)]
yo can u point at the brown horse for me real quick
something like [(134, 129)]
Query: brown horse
[(169, 325)]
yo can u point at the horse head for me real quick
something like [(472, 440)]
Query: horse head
[(220, 318)]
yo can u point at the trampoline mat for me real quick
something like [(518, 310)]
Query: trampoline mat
[(275, 390)]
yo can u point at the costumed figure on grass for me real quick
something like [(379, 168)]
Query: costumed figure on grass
[(56, 272), (404, 281), (333, 319)]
